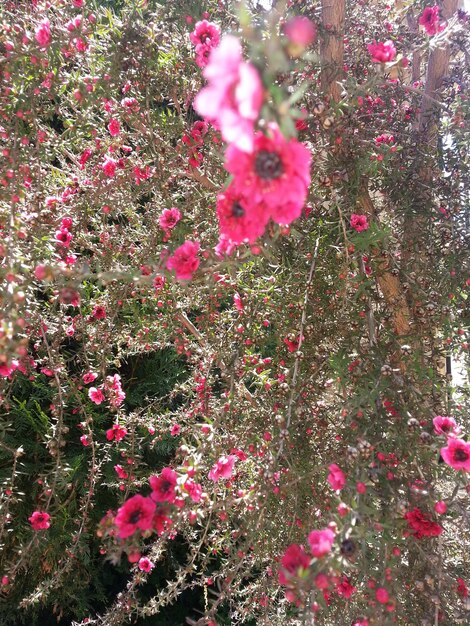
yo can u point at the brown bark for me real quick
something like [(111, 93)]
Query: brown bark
[(332, 47), (438, 65), (389, 284)]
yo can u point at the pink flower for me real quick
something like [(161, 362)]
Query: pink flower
[(457, 454), (422, 524), (382, 595), (109, 167), (431, 21), (294, 564), (40, 520), (184, 260), (114, 128), (336, 477), (169, 218), (85, 441), (440, 507), (63, 237), (344, 588), (43, 33), (163, 486), (95, 395), (175, 430), (233, 98), (146, 565), (121, 472), (77, 3), (194, 490), (300, 31), (359, 222), (99, 312), (117, 433), (276, 173), (382, 52), (114, 388), (320, 541), (135, 514), (444, 425), (89, 377), (223, 468), (240, 219), (206, 33)]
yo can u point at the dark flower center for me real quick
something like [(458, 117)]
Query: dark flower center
[(348, 547), (461, 455), (134, 517), (268, 165), (237, 210), (165, 486)]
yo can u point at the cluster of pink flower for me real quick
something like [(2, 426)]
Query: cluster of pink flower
[(63, 236), (194, 142), (457, 451), (205, 37), (112, 387), (299, 570), (270, 173)]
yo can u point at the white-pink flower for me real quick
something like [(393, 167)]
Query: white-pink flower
[(223, 468), (233, 97)]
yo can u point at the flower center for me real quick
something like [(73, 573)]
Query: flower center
[(268, 165), (237, 210), (461, 455), (134, 517)]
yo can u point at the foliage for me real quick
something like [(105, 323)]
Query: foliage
[(290, 378)]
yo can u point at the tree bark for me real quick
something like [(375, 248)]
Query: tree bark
[(332, 47)]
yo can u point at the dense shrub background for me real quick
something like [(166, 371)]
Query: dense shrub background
[(378, 312)]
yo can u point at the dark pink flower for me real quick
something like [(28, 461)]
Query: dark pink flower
[(135, 514), (422, 524), (223, 468), (336, 477), (99, 312), (109, 167), (444, 425), (457, 454), (43, 33), (233, 97), (193, 489), (206, 33), (294, 564), (344, 588), (382, 52), (320, 541), (184, 260), (145, 564), (169, 218), (116, 433), (382, 595), (63, 237), (359, 222), (431, 20), (40, 520), (300, 31), (163, 486), (114, 127), (276, 174), (239, 219)]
